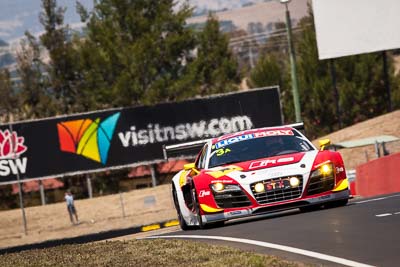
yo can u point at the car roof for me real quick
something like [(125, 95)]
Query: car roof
[(273, 131)]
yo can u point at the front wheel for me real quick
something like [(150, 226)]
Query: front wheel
[(196, 208), (181, 220)]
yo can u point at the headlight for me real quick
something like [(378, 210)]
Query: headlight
[(220, 187), (326, 170), (259, 187), (294, 181)]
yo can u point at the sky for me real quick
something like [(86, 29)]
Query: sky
[(17, 16)]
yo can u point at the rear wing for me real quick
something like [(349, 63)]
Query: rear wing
[(297, 126), (188, 146), (197, 145)]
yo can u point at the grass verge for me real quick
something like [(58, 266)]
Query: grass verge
[(141, 253)]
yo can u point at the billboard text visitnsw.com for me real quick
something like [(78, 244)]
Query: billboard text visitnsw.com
[(154, 133)]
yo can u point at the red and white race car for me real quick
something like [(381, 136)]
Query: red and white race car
[(254, 172)]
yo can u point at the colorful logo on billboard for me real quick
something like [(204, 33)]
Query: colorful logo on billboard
[(11, 146), (91, 139)]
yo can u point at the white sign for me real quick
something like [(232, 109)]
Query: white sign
[(350, 27)]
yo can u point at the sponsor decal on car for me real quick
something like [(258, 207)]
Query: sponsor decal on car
[(236, 212), (233, 140), (339, 169), (273, 132), (237, 138), (204, 193), (222, 181), (269, 162), (278, 184)]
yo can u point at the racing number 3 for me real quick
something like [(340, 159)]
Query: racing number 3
[(222, 151)]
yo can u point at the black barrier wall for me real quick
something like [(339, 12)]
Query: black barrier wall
[(127, 136)]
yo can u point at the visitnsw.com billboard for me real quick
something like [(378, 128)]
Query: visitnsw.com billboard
[(122, 137)]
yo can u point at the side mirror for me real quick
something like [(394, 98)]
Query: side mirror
[(323, 143), (189, 166)]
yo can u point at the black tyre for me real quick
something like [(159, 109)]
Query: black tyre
[(181, 220), (196, 208)]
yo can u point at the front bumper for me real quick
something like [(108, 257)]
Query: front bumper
[(262, 209)]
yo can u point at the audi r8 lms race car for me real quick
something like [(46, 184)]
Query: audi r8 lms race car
[(257, 171)]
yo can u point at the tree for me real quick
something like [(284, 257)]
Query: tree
[(272, 68), (62, 67), (267, 72), (8, 98), (363, 93), (135, 51), (315, 84), (215, 69), (35, 100)]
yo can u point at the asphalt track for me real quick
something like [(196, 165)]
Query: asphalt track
[(366, 232)]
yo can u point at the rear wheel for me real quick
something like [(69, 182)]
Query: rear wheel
[(181, 220)]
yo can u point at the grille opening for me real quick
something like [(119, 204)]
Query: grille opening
[(277, 189), (320, 184), (231, 199)]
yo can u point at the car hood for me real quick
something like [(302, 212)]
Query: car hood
[(263, 163)]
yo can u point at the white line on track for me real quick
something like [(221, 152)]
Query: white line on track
[(376, 199), (274, 246), (383, 215), (387, 214)]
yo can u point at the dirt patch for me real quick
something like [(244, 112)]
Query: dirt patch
[(96, 215)]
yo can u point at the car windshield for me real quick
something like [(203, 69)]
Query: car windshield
[(256, 148)]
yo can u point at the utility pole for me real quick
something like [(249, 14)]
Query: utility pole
[(386, 81), (335, 92), (14, 156), (292, 56)]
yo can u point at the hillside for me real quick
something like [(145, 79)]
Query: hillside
[(265, 13), (388, 124), (3, 43)]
